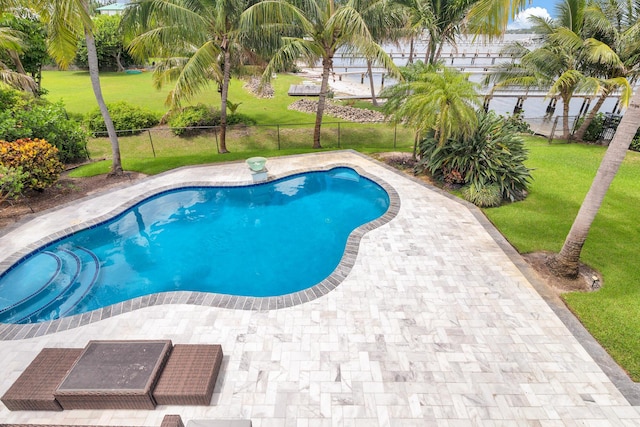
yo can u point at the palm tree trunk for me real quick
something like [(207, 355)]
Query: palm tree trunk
[(322, 99), (566, 263), (92, 59), (412, 49), (15, 58), (592, 114), (374, 101), (565, 118), (226, 77)]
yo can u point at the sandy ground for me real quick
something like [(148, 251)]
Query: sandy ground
[(340, 87)]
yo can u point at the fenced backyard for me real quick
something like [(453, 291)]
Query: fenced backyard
[(161, 141)]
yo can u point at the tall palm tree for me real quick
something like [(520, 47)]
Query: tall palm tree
[(434, 99), (566, 263), (66, 22), (314, 30), (386, 23), (441, 20), (617, 38), (195, 41), (566, 61)]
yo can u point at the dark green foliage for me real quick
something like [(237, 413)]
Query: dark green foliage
[(594, 131), (125, 116), (22, 116), (34, 50), (112, 55), (517, 123), (494, 155), (189, 120)]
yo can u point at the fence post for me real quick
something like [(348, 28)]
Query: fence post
[(278, 126), (215, 132), (338, 134), (151, 142)]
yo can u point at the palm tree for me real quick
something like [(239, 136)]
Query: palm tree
[(617, 38), (566, 263), (566, 61), (195, 40), (314, 30), (11, 44), (442, 20), (434, 99), (386, 23), (66, 22)]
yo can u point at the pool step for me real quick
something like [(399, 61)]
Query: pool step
[(86, 271), (66, 275), (58, 281), (31, 277)]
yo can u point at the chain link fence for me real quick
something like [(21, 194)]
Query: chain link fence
[(162, 141)]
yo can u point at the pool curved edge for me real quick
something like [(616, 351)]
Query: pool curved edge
[(10, 332)]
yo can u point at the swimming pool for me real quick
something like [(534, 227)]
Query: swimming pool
[(260, 240)]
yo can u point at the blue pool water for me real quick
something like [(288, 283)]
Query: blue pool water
[(261, 240)]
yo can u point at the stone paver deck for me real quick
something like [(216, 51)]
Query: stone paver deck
[(438, 323)]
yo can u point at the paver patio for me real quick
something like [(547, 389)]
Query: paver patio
[(438, 323)]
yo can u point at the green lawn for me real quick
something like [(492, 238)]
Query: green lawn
[(562, 176)]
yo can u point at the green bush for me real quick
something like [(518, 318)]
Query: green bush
[(484, 196), (23, 116), (127, 118), (516, 123), (11, 182), (635, 144), (595, 128), (188, 120), (37, 157), (494, 155)]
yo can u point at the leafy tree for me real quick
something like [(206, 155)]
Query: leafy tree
[(434, 99), (314, 31), (566, 263), (566, 61), (386, 23), (613, 35), (11, 45), (33, 53), (68, 21), (195, 41), (110, 49)]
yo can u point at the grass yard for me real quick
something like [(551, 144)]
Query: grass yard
[(563, 175)]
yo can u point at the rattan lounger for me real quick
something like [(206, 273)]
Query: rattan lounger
[(189, 376), (34, 388)]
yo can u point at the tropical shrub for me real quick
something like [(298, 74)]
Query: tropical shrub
[(516, 123), (493, 156), (22, 116), (125, 117), (11, 182), (595, 128), (485, 196), (36, 156), (188, 120)]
